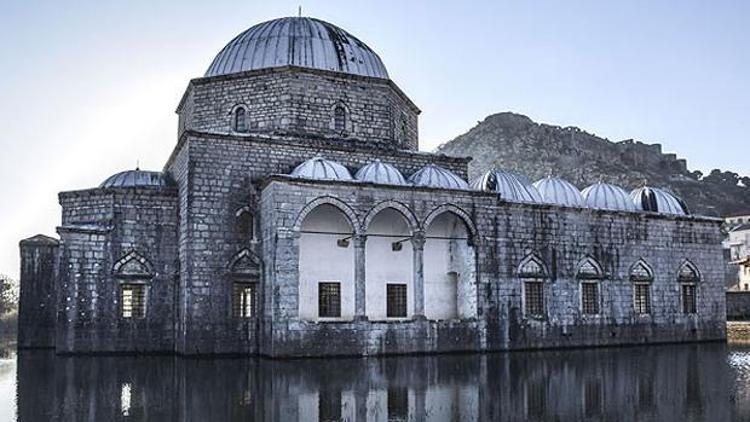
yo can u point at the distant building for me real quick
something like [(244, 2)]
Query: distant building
[(737, 247), (284, 224), (737, 220)]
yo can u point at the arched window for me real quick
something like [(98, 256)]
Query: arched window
[(339, 118), (532, 272), (240, 119), (589, 274), (134, 274), (246, 224), (688, 278), (641, 276)]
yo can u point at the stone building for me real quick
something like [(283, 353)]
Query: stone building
[(284, 224)]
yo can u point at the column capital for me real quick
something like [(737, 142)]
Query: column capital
[(359, 240), (418, 239)]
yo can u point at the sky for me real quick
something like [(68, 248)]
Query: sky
[(89, 88)]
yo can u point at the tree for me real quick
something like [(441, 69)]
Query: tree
[(8, 294)]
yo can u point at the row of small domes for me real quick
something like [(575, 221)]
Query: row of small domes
[(511, 186)]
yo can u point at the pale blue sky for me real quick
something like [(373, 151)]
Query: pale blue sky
[(87, 88)]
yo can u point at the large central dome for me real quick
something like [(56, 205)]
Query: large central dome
[(303, 42)]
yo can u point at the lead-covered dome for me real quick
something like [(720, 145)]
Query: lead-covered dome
[(606, 196), (648, 198), (437, 177), (555, 190), (319, 168), (297, 41), (136, 178), (510, 186), (380, 172)]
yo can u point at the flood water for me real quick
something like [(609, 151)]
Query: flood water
[(701, 382)]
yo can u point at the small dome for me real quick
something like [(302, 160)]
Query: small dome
[(555, 190), (647, 198), (380, 172), (438, 177), (136, 178), (607, 197), (321, 169), (510, 186), (297, 41)]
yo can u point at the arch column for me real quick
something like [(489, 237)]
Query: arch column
[(418, 241), (360, 240)]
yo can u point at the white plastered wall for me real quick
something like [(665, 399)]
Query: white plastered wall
[(449, 270), (384, 265), (322, 260)]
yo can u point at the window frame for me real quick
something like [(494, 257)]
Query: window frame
[(142, 287), (542, 297), (693, 308), (636, 308), (238, 310), (597, 297), (404, 304), (329, 315)]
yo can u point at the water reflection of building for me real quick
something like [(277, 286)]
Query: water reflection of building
[(661, 383), (283, 224)]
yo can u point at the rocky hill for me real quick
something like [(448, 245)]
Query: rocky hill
[(514, 142)]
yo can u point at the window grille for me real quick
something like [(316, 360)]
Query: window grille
[(590, 298), (642, 298), (398, 405), (329, 300), (534, 298), (329, 406), (688, 298), (133, 300), (240, 122), (244, 300), (339, 119), (396, 300)]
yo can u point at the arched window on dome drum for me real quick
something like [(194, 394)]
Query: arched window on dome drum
[(240, 119), (339, 118), (246, 224)]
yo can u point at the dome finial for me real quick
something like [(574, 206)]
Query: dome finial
[(299, 11), (137, 165)]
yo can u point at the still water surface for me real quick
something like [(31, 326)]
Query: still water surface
[(706, 382)]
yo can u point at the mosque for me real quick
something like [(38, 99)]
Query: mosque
[(297, 217)]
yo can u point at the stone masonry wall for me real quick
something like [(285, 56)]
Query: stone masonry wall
[(37, 296), (301, 101), (507, 233), (218, 175), (116, 224)]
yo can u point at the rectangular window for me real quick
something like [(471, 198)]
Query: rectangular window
[(329, 300), (642, 298), (395, 300), (329, 406), (534, 297), (398, 404), (132, 300), (688, 298), (244, 299), (590, 298)]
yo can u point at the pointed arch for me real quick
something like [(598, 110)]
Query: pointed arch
[(245, 262), (340, 117), (532, 266), (397, 206), (641, 271), (460, 213), (589, 269), (688, 273), (342, 206), (133, 264)]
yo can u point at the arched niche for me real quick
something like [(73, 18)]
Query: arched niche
[(449, 268), (326, 264), (389, 265)]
